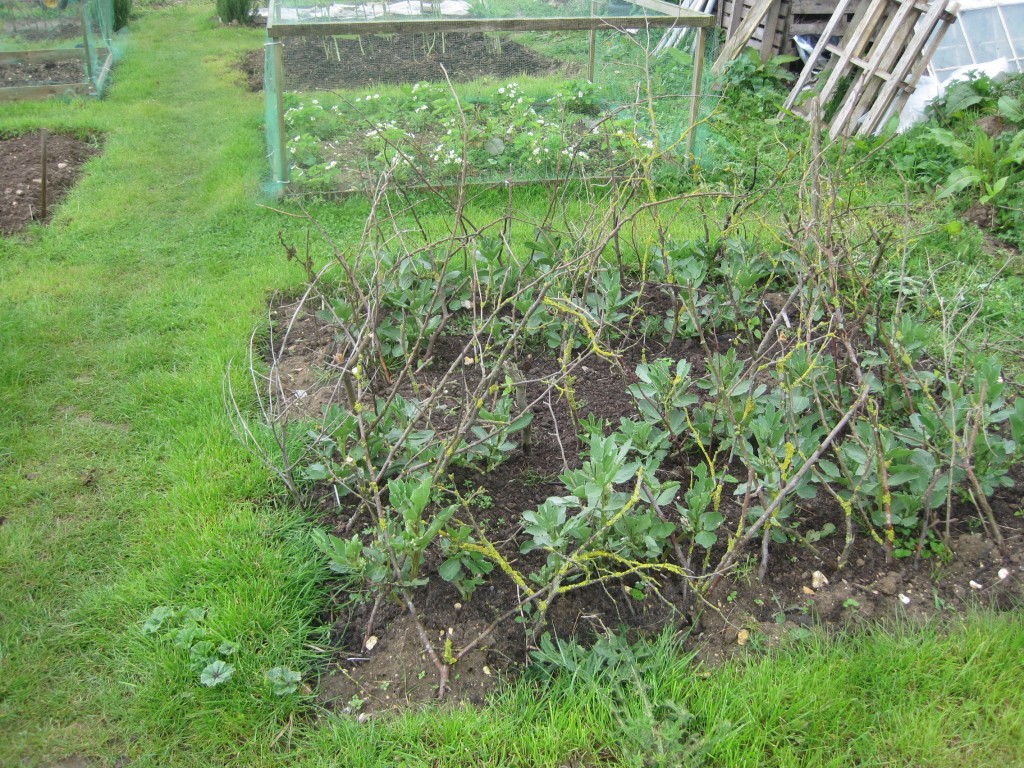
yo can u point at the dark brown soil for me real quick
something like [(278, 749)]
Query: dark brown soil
[(15, 74), (21, 176), (326, 63), (380, 663)]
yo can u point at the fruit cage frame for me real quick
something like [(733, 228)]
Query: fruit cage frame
[(289, 21), (55, 48)]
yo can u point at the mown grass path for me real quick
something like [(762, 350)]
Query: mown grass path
[(122, 488), (121, 483)]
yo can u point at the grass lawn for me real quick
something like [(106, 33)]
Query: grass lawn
[(122, 488)]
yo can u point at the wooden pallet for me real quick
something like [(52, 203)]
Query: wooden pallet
[(769, 36), (878, 62), (777, 23)]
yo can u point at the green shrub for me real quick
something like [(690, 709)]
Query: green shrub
[(241, 11), (122, 10)]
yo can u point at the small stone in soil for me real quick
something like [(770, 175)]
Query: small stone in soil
[(888, 584)]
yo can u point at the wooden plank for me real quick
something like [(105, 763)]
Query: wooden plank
[(815, 27), (739, 11), (738, 40), (814, 8), (27, 92), (768, 45), (42, 56), (683, 18), (668, 9)]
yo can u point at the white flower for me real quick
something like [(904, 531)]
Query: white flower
[(501, 91), (297, 138), (314, 101), (579, 94)]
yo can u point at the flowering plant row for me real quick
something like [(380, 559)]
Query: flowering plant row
[(432, 131)]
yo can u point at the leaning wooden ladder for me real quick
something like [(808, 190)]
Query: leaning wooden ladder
[(880, 59)]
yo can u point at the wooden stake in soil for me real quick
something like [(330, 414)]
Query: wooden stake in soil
[(42, 176)]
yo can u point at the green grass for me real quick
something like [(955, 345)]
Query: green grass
[(892, 697), (123, 489)]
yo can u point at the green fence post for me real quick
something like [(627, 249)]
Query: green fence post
[(273, 88)]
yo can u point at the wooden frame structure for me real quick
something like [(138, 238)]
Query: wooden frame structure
[(776, 23), (667, 16), (880, 59), (96, 60)]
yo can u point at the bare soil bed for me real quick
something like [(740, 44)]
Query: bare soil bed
[(21, 175), (379, 660), (17, 74), (323, 64)]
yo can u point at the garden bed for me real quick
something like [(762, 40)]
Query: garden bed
[(350, 62), (424, 135), (745, 611), (521, 439), (21, 175), (19, 74)]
